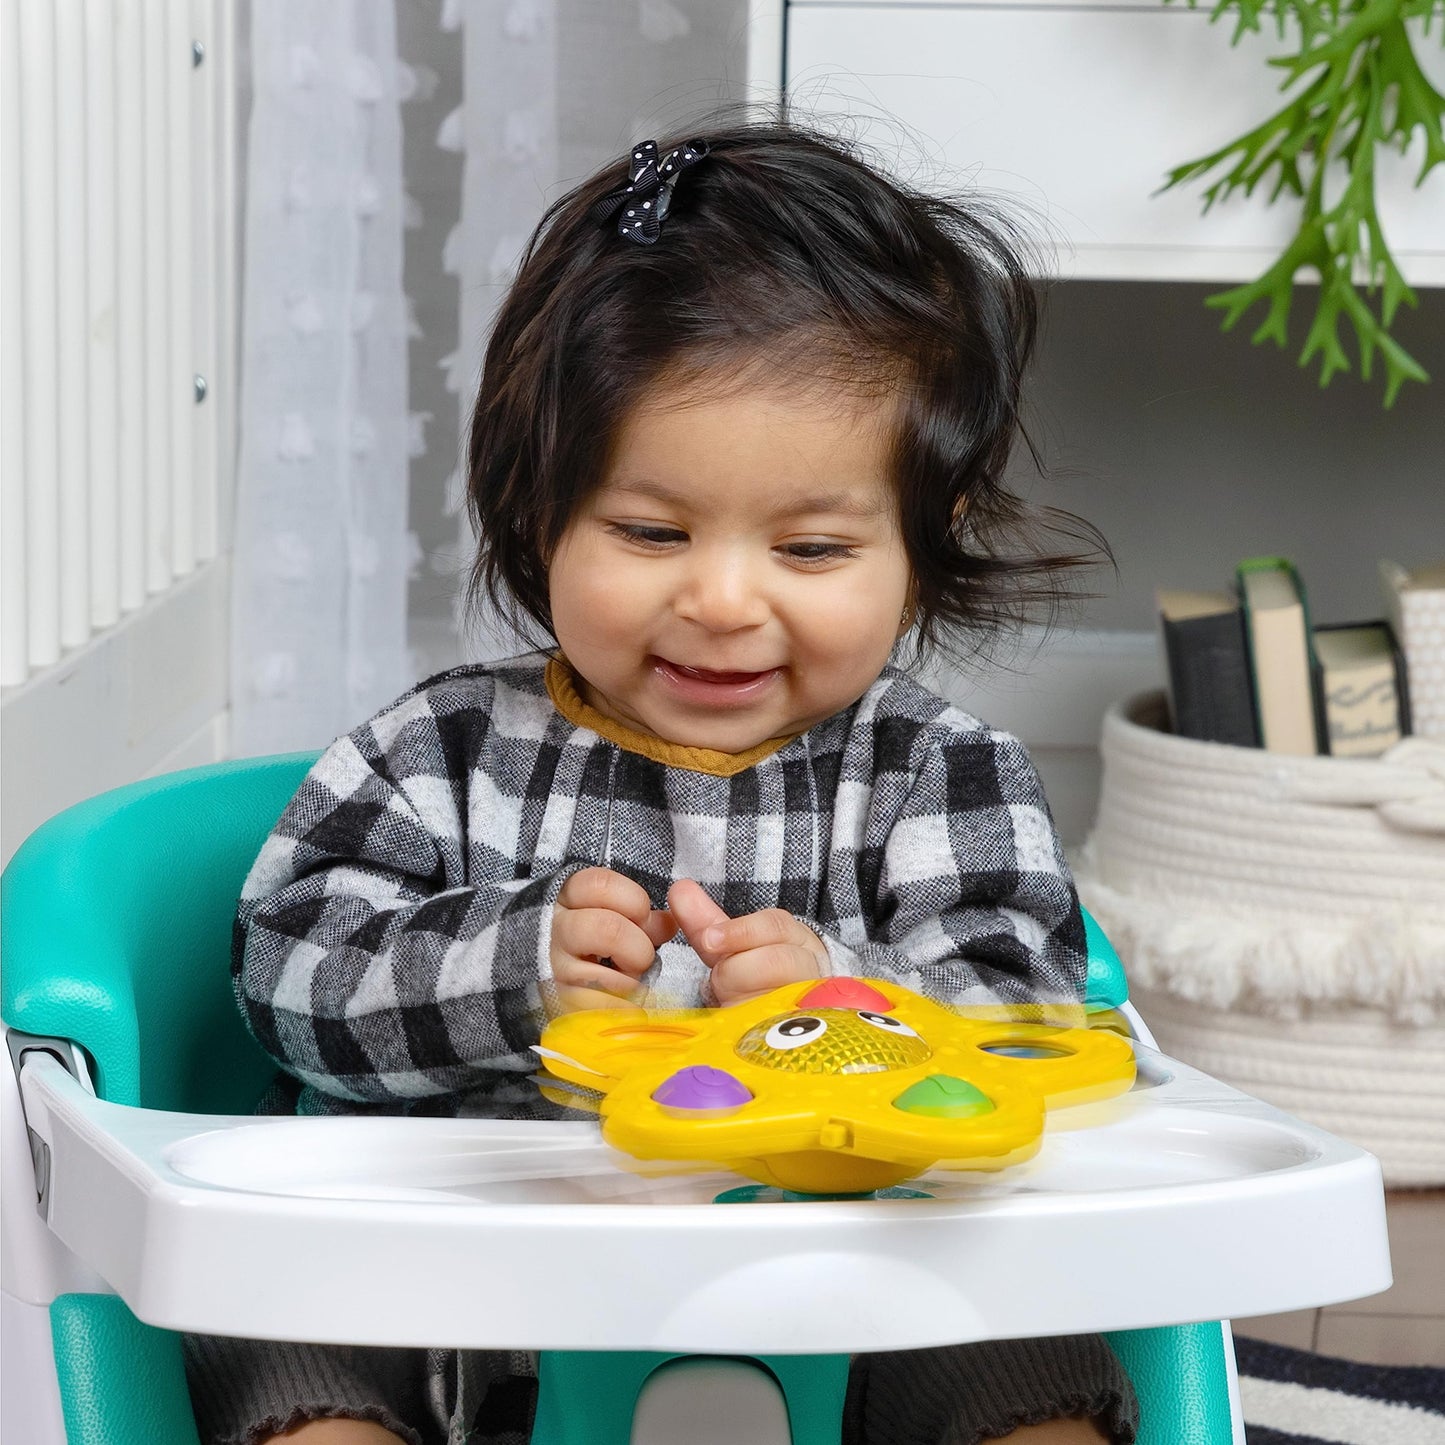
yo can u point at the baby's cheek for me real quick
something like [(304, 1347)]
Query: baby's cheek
[(855, 631), (595, 608)]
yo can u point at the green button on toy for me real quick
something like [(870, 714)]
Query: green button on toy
[(940, 1096)]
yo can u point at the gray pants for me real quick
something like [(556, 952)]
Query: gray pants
[(247, 1390), (244, 1391)]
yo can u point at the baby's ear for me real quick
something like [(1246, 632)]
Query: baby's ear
[(910, 611)]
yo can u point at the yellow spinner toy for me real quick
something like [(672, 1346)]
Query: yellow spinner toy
[(841, 1086)]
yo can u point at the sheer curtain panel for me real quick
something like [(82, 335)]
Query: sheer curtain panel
[(320, 562)]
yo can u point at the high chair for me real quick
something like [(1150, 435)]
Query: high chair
[(141, 1198)]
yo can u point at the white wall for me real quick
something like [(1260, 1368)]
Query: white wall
[(147, 696), (1191, 448)]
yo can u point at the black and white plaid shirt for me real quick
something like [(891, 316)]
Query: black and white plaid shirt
[(392, 940)]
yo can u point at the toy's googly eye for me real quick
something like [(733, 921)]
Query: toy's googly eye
[(794, 1032), (887, 1023)]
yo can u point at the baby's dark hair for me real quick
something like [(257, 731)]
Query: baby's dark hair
[(786, 254)]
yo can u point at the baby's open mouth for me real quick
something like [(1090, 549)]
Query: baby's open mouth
[(715, 687), (707, 674)]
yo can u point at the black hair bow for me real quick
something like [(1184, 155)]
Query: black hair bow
[(644, 200)]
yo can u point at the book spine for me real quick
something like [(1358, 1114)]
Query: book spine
[(1402, 682), (1319, 700), (1282, 663), (1422, 640), (1209, 679), (1312, 664), (1364, 711)]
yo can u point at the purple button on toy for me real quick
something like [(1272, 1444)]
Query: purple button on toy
[(700, 1086)]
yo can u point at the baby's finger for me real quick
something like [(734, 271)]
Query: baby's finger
[(600, 933), (572, 972), (695, 913), (746, 975), (606, 888), (660, 926), (756, 930)]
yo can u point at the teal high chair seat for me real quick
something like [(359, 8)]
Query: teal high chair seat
[(116, 935)]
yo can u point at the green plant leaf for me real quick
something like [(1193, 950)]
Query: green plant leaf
[(1352, 85)]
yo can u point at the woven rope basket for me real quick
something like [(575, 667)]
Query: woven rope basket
[(1283, 923)]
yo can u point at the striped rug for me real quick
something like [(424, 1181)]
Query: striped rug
[(1292, 1397)]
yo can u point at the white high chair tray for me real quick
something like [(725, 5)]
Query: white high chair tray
[(1184, 1200)]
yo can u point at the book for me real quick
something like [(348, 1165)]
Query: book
[(1361, 689), (1281, 654), (1416, 601), (1210, 694)]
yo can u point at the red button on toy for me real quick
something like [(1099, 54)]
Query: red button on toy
[(846, 993)]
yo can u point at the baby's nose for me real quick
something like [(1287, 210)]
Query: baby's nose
[(722, 595)]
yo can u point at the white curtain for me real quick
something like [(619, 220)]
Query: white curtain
[(320, 544), (508, 126)]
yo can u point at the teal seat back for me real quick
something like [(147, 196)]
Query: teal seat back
[(1106, 987), (115, 932)]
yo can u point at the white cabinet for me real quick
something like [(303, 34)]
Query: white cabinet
[(1078, 112)]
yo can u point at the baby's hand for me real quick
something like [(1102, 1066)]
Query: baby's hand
[(750, 955), (605, 934)]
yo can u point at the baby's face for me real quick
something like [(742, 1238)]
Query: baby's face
[(739, 574)]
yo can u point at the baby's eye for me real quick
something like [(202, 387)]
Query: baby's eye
[(818, 551), (655, 537)]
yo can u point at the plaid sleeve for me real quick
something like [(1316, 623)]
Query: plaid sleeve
[(365, 962), (973, 902)]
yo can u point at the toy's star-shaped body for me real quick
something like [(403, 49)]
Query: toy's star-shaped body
[(834, 1087)]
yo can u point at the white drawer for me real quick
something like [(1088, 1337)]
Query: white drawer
[(1078, 114)]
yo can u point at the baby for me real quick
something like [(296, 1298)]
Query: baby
[(739, 444)]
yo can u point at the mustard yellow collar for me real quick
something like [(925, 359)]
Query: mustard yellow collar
[(562, 689)]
